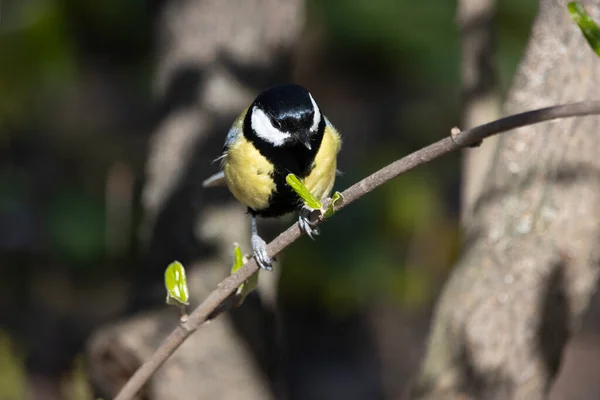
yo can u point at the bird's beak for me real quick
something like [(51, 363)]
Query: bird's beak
[(305, 139)]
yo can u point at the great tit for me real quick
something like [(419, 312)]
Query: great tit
[(283, 131)]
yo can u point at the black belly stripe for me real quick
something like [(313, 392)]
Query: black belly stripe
[(284, 200)]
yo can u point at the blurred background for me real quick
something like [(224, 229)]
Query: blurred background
[(81, 99)]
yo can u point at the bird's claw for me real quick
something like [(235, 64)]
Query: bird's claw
[(259, 248), (304, 221)]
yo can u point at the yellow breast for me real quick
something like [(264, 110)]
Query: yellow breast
[(322, 177), (247, 173)]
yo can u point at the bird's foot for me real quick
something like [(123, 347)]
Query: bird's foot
[(259, 248), (305, 220)]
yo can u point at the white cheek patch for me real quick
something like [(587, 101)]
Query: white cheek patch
[(262, 126), (316, 116)]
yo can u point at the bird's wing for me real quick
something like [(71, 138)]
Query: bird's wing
[(233, 136), (330, 125), (236, 129)]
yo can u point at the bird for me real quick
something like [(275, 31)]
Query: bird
[(283, 131)]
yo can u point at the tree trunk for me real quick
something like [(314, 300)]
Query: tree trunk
[(530, 260), (213, 58), (481, 100)]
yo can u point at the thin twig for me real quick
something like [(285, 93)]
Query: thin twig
[(226, 287)]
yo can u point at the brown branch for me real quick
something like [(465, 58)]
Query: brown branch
[(226, 287)]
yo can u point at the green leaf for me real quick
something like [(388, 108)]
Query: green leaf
[(176, 284), (238, 259), (336, 200), (586, 24), (309, 200), (250, 284)]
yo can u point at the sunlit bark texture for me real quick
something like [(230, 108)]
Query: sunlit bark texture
[(480, 97), (530, 260)]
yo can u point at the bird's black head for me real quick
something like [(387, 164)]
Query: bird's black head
[(286, 116)]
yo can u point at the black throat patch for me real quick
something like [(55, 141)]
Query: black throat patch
[(294, 158)]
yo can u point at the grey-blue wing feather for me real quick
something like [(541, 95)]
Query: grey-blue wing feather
[(233, 135), (329, 124)]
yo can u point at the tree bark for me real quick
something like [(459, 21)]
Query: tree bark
[(481, 100), (530, 260)]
